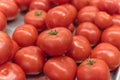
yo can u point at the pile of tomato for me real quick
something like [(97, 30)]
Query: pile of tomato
[(62, 39)]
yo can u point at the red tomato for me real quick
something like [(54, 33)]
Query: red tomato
[(11, 71), (9, 8), (81, 48), (71, 27), (36, 18), (60, 68), (110, 6), (94, 2), (23, 4), (109, 53), (93, 69), (40, 5), (56, 41), (116, 19), (87, 13), (90, 31), (5, 47), (30, 59), (112, 35), (103, 20), (58, 2), (3, 21), (25, 35), (79, 4), (43, 78), (61, 16)]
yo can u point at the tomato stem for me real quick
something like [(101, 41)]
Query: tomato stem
[(38, 13), (90, 62), (53, 32)]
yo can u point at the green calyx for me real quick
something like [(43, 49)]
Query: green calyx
[(53, 32), (38, 13), (90, 62)]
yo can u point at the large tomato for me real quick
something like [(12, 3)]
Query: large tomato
[(3, 21), (60, 68), (9, 8), (61, 16), (107, 52), (5, 47), (31, 59), (93, 69), (25, 35), (11, 71), (112, 35), (81, 48), (56, 41), (36, 18), (89, 30)]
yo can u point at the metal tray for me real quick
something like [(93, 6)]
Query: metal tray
[(115, 75)]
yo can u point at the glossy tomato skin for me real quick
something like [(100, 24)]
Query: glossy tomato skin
[(31, 59), (81, 48), (8, 69), (36, 18), (56, 41), (93, 69), (58, 2), (25, 35), (61, 16), (88, 29), (79, 4), (9, 8), (110, 6), (5, 47), (116, 20), (40, 5), (112, 35), (3, 21), (60, 68), (71, 27), (87, 13), (94, 2), (107, 52), (102, 18)]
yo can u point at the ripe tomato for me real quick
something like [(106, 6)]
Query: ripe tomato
[(89, 30), (9, 8), (81, 48), (40, 5), (112, 35), (5, 47), (79, 4), (93, 69), (30, 59), (61, 16), (60, 68), (103, 20), (36, 18), (3, 21), (56, 41), (87, 13), (110, 6), (43, 78), (11, 71), (25, 35), (58, 2), (116, 20), (107, 52), (94, 2)]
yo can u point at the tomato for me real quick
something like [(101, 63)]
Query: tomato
[(71, 27), (87, 13), (9, 8), (79, 4), (102, 18), (110, 6), (109, 53), (43, 78), (40, 5), (23, 4), (93, 69), (36, 18), (3, 21), (81, 48), (58, 2), (56, 41), (25, 35), (61, 16), (5, 47), (116, 19), (112, 35), (94, 2), (31, 59), (11, 71), (60, 68), (88, 29)]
